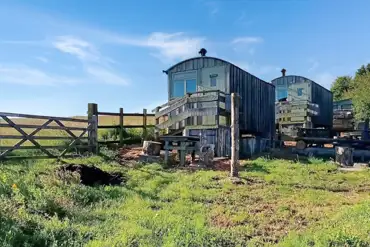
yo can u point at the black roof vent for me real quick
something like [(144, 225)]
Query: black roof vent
[(203, 52), (283, 71)]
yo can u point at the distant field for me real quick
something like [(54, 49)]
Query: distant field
[(103, 120)]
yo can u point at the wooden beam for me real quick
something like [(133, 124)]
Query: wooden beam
[(92, 116), (14, 137), (234, 135), (7, 114), (31, 126), (76, 140), (121, 129), (25, 137), (35, 157), (144, 124), (46, 147)]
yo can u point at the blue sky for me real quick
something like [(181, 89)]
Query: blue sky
[(56, 56)]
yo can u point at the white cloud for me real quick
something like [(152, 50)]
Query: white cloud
[(106, 76), (242, 20), (82, 49), (247, 40), (21, 74), (213, 7), (42, 59), (94, 63), (324, 79), (169, 46), (314, 65)]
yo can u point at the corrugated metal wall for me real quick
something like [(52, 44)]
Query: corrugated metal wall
[(257, 108), (312, 92), (252, 146), (324, 98), (220, 137)]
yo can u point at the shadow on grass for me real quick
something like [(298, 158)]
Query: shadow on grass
[(255, 167)]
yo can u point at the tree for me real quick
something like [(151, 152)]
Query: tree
[(363, 70), (361, 96), (341, 87)]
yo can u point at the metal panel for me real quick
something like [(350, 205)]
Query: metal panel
[(324, 98), (253, 146), (257, 109), (301, 88)]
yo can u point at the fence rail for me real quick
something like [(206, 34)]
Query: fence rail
[(121, 126), (75, 141), (80, 137)]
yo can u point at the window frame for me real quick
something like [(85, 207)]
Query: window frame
[(184, 77)]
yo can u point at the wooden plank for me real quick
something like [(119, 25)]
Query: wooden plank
[(108, 113), (92, 116), (200, 127), (109, 126), (31, 126), (7, 114), (137, 115), (46, 147), (14, 137), (67, 130), (108, 142), (125, 114), (74, 142), (35, 157), (144, 123), (121, 129), (234, 171), (26, 137)]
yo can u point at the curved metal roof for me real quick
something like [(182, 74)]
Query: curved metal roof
[(184, 61), (295, 76)]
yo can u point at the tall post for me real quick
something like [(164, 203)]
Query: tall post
[(156, 130), (144, 124), (121, 129), (92, 116), (234, 135), (217, 117)]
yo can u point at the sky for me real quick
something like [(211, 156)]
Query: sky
[(58, 56)]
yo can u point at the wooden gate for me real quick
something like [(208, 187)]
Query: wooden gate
[(81, 136)]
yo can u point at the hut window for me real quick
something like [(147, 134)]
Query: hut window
[(299, 91), (191, 86), (213, 80), (178, 89)]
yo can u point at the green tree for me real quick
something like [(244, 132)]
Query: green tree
[(361, 96), (341, 87), (363, 70)]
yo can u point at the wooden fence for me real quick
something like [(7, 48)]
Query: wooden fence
[(93, 111), (80, 135), (72, 140)]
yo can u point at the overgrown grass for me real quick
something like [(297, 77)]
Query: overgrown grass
[(279, 203)]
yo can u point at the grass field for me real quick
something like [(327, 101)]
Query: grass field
[(280, 203)]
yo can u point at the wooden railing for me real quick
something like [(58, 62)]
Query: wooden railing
[(192, 105), (93, 111), (76, 138)]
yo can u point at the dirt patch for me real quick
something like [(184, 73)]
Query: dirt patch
[(130, 153), (90, 175), (221, 164)]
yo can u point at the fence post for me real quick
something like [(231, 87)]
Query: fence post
[(144, 124), (92, 116), (156, 130), (234, 135), (121, 129)]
